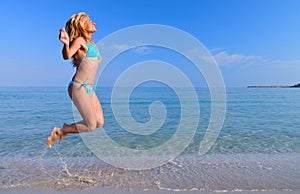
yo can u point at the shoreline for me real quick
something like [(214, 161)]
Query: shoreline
[(233, 173), (272, 87), (99, 190), (293, 86)]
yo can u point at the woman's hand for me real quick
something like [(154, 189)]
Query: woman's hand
[(69, 50), (63, 36)]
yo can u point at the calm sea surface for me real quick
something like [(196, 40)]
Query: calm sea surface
[(258, 147)]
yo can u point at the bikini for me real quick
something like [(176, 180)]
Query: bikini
[(92, 52)]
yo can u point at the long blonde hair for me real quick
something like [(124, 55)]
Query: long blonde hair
[(75, 28)]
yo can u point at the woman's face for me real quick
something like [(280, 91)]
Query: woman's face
[(89, 25)]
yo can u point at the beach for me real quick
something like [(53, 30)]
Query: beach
[(207, 174), (198, 97), (115, 191)]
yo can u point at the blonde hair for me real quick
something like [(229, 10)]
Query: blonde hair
[(75, 28)]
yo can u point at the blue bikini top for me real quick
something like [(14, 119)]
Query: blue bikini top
[(92, 52)]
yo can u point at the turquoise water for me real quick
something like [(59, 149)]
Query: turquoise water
[(260, 125), (257, 120)]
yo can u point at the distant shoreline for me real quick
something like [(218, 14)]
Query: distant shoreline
[(269, 87), (294, 86)]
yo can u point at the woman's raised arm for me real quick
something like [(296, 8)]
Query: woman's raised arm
[(68, 51)]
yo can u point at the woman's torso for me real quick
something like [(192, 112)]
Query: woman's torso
[(86, 67)]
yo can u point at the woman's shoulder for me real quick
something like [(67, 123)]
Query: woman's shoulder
[(80, 41)]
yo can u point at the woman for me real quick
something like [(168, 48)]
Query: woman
[(79, 46)]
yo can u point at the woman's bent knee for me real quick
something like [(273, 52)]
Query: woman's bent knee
[(91, 126), (100, 124)]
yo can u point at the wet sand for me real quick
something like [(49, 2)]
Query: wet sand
[(236, 173), (119, 191)]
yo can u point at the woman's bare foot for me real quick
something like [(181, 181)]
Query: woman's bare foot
[(53, 137), (58, 132)]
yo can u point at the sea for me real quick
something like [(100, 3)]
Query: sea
[(256, 148)]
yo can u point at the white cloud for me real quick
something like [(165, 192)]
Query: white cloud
[(223, 58), (143, 50), (120, 47)]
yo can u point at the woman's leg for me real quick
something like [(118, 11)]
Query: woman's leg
[(87, 107), (98, 110)]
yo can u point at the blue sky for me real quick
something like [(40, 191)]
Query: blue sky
[(255, 42)]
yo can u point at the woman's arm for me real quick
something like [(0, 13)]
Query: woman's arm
[(68, 51)]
